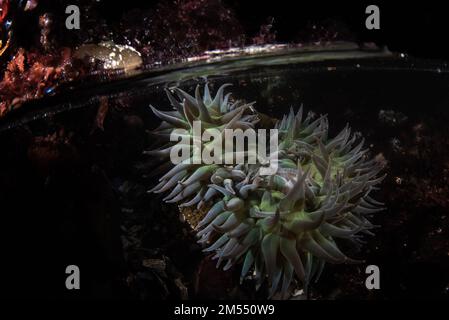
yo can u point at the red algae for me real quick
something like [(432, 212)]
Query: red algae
[(168, 32), (30, 75)]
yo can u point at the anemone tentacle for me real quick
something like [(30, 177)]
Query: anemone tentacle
[(283, 226)]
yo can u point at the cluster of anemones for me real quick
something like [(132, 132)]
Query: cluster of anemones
[(281, 226)]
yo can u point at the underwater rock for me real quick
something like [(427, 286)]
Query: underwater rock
[(283, 226), (391, 117)]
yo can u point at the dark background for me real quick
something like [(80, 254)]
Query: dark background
[(420, 29), (416, 28)]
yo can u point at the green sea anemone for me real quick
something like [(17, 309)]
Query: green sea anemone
[(284, 226)]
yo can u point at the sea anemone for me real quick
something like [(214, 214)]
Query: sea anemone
[(283, 226)]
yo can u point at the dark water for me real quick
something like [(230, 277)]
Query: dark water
[(73, 181)]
